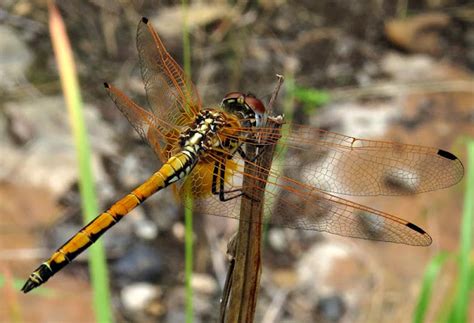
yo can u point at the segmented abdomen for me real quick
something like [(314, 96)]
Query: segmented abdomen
[(176, 167)]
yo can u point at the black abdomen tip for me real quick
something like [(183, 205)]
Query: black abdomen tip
[(106, 85), (446, 154), (145, 20), (416, 228), (29, 285)]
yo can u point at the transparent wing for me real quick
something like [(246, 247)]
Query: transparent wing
[(171, 97), (292, 204), (345, 165), (174, 102), (161, 137)]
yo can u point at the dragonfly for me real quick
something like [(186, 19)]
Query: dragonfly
[(202, 151)]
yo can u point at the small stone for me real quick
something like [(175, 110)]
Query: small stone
[(277, 239), (140, 263), (136, 297), (420, 33), (178, 231), (330, 309), (51, 147), (284, 278), (15, 57), (143, 227), (203, 283)]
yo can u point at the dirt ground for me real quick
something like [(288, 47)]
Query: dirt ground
[(394, 70)]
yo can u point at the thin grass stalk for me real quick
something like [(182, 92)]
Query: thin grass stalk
[(18, 284), (461, 304), (11, 305), (429, 280), (70, 87), (188, 213)]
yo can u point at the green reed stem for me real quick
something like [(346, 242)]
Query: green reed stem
[(429, 280), (188, 213), (460, 308), (72, 95)]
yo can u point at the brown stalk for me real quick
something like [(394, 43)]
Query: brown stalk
[(243, 277)]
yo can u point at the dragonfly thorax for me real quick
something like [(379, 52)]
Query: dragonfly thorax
[(202, 135)]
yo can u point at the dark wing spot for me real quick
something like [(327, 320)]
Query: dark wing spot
[(446, 154), (415, 227)]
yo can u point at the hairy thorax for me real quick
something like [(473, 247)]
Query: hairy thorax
[(213, 131)]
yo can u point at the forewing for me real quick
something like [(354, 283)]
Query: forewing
[(345, 165), (171, 97)]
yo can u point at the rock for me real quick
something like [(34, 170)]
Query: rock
[(15, 58), (136, 297), (330, 309), (175, 305), (19, 129), (169, 22), (203, 283), (277, 239), (141, 263), (178, 231), (131, 171), (408, 68), (204, 308), (49, 158), (118, 239), (360, 120), (143, 227), (420, 33), (284, 278), (331, 268), (164, 209), (316, 264), (175, 316)]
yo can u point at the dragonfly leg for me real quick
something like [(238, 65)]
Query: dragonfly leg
[(220, 168), (261, 149)]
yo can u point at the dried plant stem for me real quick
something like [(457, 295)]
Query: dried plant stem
[(242, 284)]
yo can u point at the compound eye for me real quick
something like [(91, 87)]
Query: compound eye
[(256, 105), (233, 95)]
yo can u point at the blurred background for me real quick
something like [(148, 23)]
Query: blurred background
[(387, 70)]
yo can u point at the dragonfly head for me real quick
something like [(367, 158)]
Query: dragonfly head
[(246, 106)]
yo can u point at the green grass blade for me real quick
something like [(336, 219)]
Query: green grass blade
[(311, 98), (460, 308), (70, 87), (429, 279), (472, 275), (18, 284), (188, 254), (188, 213)]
